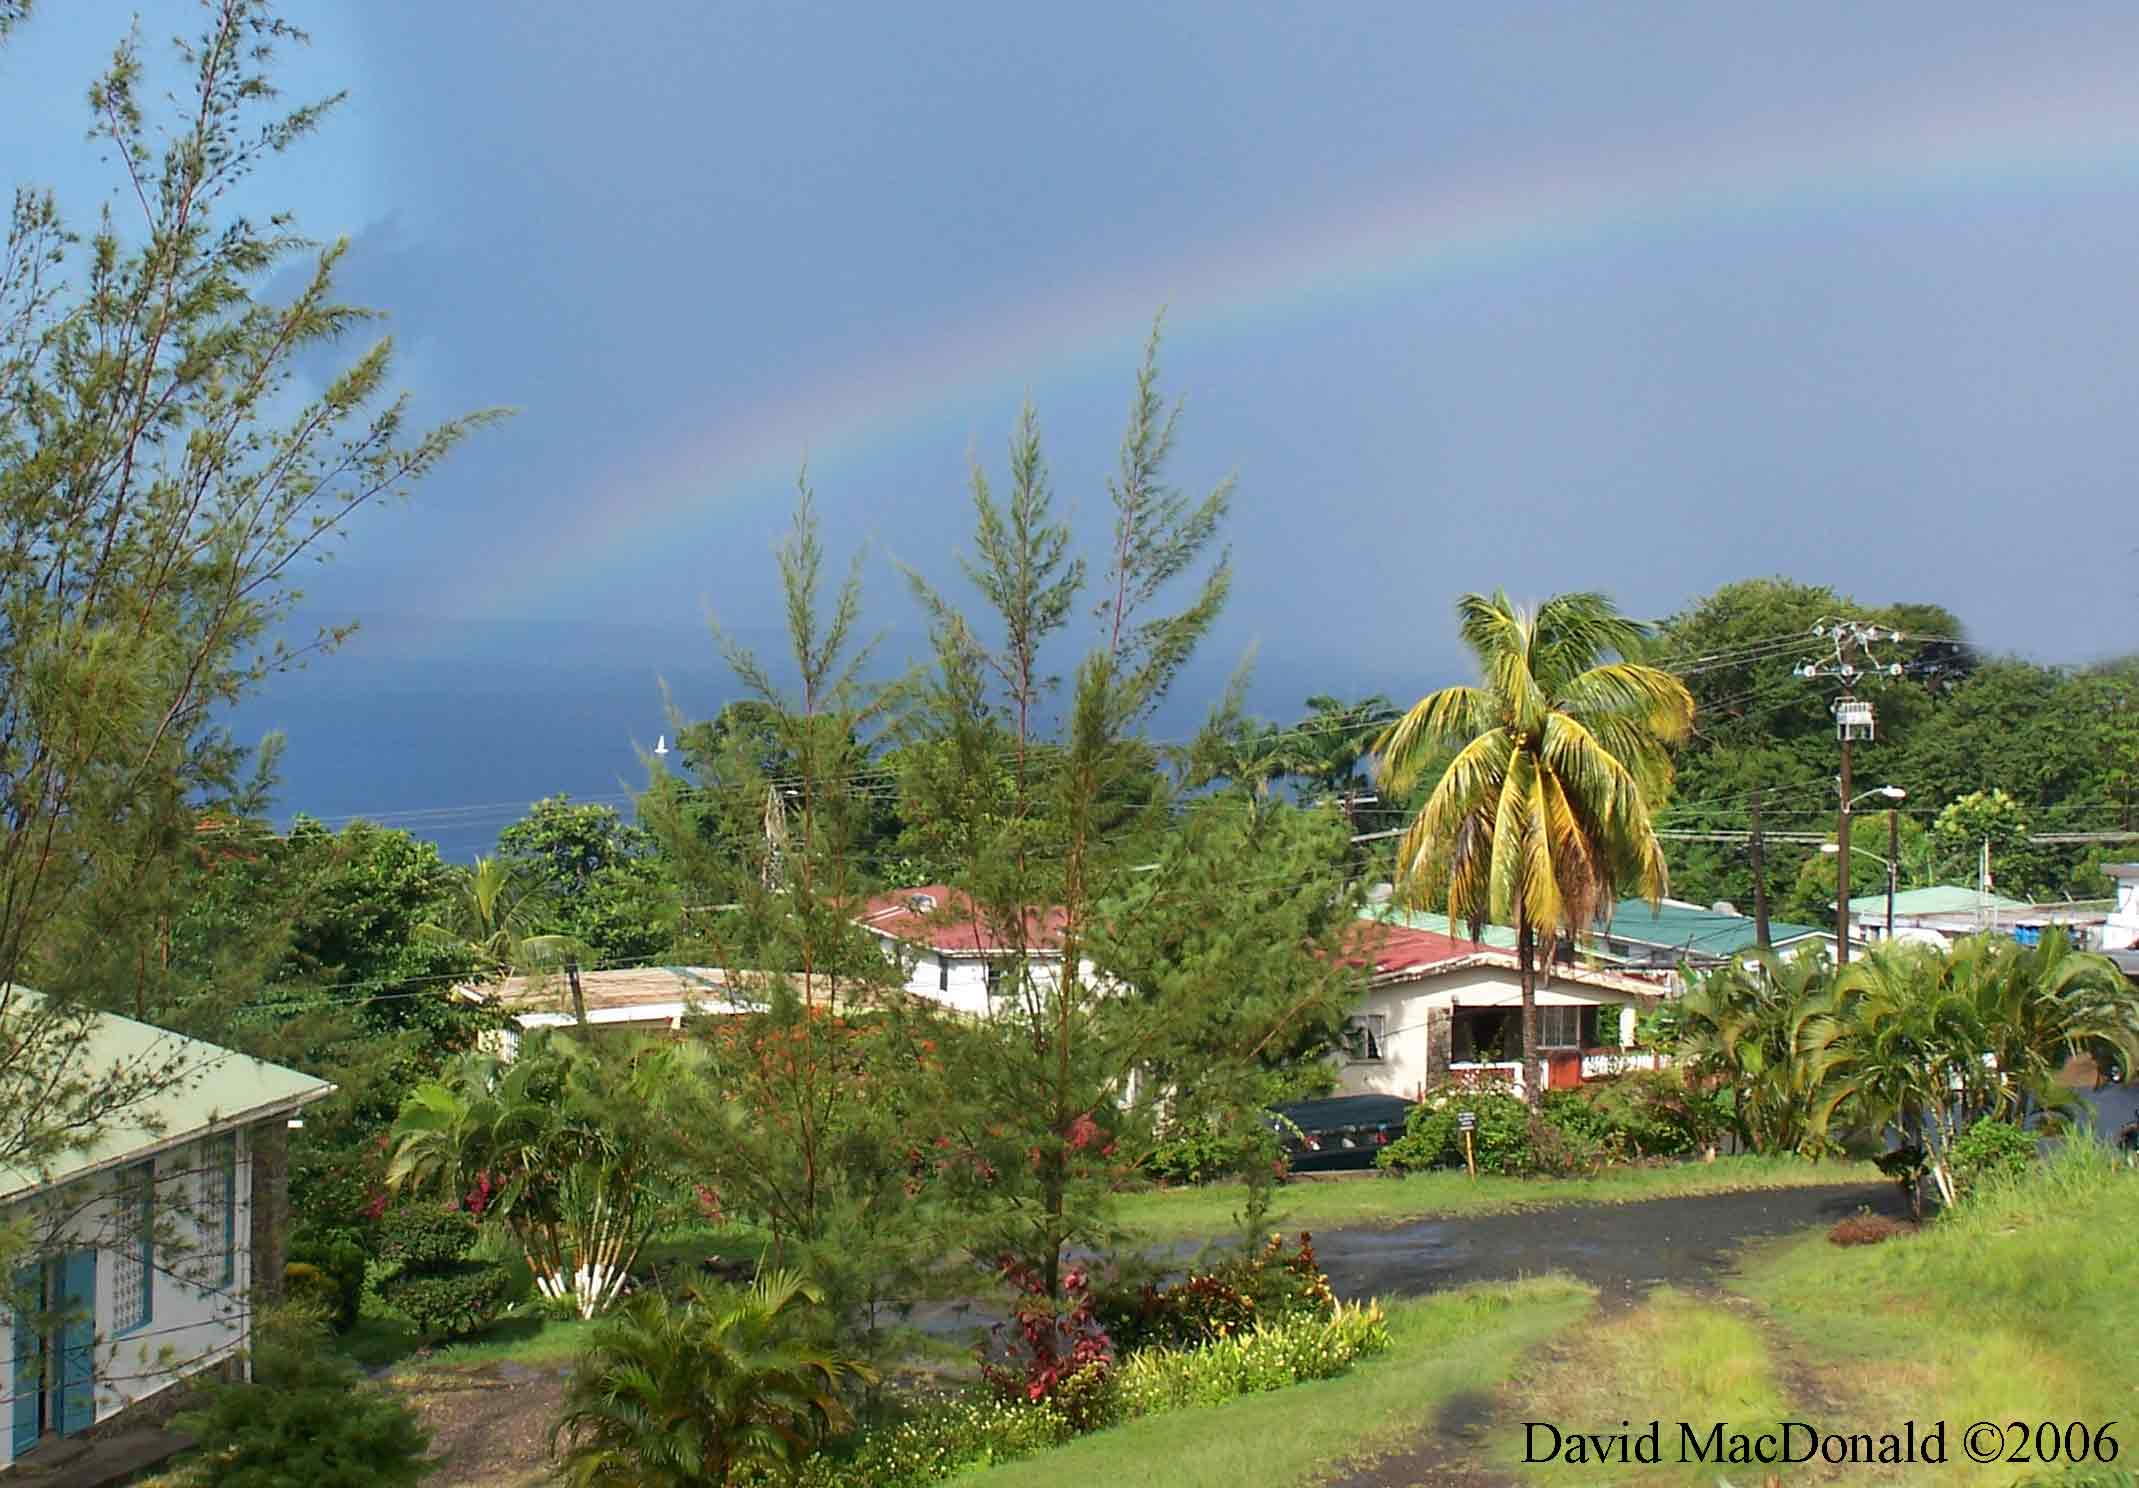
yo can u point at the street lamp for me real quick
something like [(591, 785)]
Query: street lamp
[(1840, 848)]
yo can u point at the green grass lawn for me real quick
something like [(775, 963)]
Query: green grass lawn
[(1208, 1212), (381, 1340), (1466, 1340), (1675, 1358), (2022, 1306)]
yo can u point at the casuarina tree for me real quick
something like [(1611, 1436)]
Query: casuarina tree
[(1113, 973), (174, 444)]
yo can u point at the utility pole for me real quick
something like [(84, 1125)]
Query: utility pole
[(1851, 642), (1893, 866), (1758, 847), (1843, 882)]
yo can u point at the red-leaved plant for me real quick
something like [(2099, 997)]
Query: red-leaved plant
[(1050, 1352)]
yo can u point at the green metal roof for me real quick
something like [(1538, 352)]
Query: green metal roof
[(1499, 937), (200, 1086), (1938, 899), (1707, 932)]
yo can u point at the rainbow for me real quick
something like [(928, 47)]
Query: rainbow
[(2067, 128)]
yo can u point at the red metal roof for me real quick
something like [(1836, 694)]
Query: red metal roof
[(943, 919), (1389, 950)]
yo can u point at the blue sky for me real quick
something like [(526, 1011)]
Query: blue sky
[(1540, 296)]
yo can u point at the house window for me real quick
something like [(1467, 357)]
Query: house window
[(217, 1208), (943, 973), (995, 980), (1363, 1035), (1559, 1028), (133, 1289)]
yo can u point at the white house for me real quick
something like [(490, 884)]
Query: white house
[(953, 956), (1438, 1009), (2120, 932), (145, 1246)]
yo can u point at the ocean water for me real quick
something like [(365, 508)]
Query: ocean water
[(456, 746)]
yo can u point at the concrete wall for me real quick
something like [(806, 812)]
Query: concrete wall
[(195, 1320)]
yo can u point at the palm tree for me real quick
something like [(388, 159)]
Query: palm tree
[(1939, 1039), (2040, 1005), (494, 917), (702, 1393), (1773, 1030), (559, 1146), (1561, 753), (1333, 738)]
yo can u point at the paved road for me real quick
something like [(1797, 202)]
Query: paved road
[(1623, 1249), (2115, 1106)]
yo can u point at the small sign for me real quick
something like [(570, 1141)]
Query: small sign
[(1466, 1121)]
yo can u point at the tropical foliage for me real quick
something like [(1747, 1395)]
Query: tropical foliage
[(701, 1393), (1543, 814), (1913, 1040), (555, 1145)]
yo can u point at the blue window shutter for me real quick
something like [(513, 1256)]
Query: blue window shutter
[(78, 1335), (26, 1382)]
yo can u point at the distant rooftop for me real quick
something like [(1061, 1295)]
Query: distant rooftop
[(1938, 899), (622, 987), (1494, 937), (1704, 932)]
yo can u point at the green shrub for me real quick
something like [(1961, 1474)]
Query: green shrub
[(308, 1421), (1660, 1114), (1577, 1114), (1224, 1147), (1989, 1151), (940, 1441), (1269, 1356), (334, 1265), (451, 1300), (417, 1235), (443, 1294), (1431, 1138), (947, 1439)]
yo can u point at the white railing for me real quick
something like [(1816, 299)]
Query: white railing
[(1618, 1061), (1487, 1074)]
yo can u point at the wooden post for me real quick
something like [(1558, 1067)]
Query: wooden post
[(270, 1144), (1466, 1122)]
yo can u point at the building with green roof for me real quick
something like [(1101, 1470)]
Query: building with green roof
[(1676, 932), (146, 1240), (1939, 899)]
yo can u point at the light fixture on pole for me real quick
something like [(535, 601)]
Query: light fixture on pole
[(1893, 848)]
